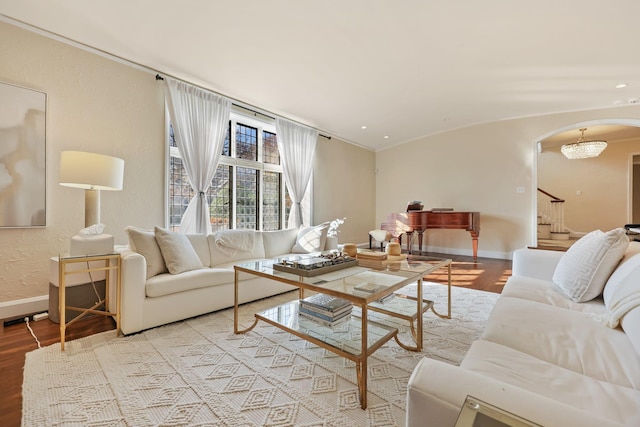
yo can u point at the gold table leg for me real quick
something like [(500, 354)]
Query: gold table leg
[(236, 329), (448, 315)]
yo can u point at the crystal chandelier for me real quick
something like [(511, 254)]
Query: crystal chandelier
[(582, 149)]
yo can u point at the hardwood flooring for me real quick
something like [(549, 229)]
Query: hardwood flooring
[(16, 340)]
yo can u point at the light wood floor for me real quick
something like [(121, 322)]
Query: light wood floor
[(16, 340)]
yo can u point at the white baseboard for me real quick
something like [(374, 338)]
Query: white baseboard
[(464, 252), (22, 307)]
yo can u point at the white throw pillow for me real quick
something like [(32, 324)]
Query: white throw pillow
[(585, 268), (177, 251), (311, 239), (144, 242)]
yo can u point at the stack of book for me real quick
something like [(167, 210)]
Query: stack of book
[(325, 309), (379, 260)]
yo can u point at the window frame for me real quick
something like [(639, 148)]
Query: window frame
[(239, 114)]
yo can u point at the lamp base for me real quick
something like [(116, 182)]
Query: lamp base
[(91, 207)]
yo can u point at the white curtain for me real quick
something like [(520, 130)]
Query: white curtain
[(200, 119), (297, 145)]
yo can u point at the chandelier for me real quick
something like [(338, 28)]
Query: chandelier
[(582, 149)]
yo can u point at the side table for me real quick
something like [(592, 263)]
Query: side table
[(107, 263)]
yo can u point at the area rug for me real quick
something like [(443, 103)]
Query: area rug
[(198, 373)]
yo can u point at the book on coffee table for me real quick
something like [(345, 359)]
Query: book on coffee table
[(326, 322), (381, 263), (331, 314), (325, 302), (329, 317), (372, 255), (369, 288)]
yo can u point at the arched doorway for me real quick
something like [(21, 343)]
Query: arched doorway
[(598, 192)]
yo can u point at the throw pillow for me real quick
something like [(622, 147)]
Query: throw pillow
[(585, 268), (311, 239), (177, 251), (144, 242)]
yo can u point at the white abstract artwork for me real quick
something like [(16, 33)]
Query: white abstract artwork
[(22, 157)]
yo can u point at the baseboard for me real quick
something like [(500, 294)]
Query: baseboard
[(464, 252), (23, 307)]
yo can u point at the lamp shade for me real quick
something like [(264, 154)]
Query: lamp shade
[(80, 169)]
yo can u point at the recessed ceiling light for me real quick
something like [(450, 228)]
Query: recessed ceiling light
[(621, 85), (364, 127), (386, 137)]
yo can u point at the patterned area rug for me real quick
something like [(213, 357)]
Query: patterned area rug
[(198, 373)]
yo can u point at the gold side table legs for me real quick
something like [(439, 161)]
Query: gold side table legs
[(111, 265)]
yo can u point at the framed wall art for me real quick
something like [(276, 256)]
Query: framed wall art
[(22, 157)]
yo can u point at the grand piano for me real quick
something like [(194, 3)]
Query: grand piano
[(420, 221)]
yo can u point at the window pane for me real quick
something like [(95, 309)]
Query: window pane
[(172, 137), (246, 142), (246, 198), (219, 195), (226, 148), (287, 205), (180, 192), (271, 201), (270, 153)]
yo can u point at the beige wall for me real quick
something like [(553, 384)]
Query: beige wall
[(94, 104), (344, 186), (100, 105), (477, 168), (603, 184)]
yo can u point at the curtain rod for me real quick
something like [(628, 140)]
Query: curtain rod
[(159, 77)]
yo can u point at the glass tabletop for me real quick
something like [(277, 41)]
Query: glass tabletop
[(364, 283)]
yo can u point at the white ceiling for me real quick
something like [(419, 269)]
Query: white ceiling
[(403, 68)]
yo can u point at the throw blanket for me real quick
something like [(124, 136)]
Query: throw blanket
[(230, 242), (625, 298)]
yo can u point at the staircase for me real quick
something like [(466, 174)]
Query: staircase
[(551, 217)]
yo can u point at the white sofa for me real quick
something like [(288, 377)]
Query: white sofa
[(153, 296), (542, 355)]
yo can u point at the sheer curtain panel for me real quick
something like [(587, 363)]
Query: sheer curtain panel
[(297, 145), (200, 119)]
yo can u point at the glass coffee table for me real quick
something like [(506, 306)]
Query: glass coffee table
[(358, 336)]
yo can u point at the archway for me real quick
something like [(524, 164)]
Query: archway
[(619, 163)]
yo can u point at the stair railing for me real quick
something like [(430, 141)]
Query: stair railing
[(551, 211)]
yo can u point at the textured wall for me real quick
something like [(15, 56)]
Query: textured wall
[(94, 104)]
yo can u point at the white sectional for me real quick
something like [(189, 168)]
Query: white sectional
[(156, 290), (544, 356)]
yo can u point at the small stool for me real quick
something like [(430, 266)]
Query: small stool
[(381, 236)]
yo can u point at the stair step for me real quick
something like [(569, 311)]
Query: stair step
[(560, 235)]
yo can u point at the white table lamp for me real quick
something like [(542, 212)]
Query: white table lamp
[(92, 172)]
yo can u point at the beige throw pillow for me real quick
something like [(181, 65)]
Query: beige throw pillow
[(177, 251), (585, 268), (144, 242), (311, 239)]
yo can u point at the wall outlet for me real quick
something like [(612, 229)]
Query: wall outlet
[(519, 189)]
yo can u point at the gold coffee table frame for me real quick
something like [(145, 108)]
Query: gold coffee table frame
[(372, 335)]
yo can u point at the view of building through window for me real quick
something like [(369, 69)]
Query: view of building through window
[(248, 190)]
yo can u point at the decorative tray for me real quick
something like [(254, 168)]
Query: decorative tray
[(309, 267)]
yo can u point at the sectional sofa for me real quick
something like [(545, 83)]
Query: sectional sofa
[(168, 276), (561, 347)]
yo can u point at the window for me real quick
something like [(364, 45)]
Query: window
[(248, 189)]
